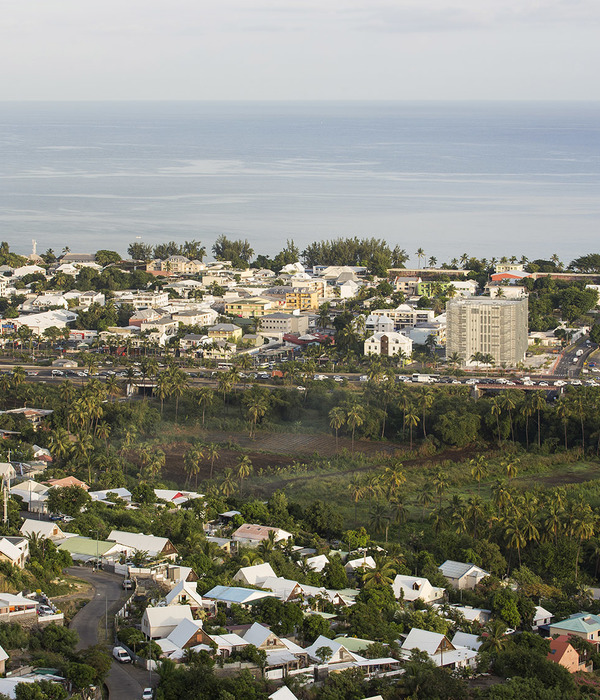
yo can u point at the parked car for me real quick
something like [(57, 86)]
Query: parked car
[(148, 694), (121, 655), (45, 610)]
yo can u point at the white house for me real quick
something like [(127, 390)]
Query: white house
[(388, 344), (379, 324), (184, 593), (42, 528), (362, 563), (134, 542), (160, 622), (541, 617), (461, 575), (439, 649), (234, 595), (14, 550), (254, 575), (411, 588)]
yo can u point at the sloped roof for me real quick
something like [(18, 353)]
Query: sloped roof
[(283, 693), (187, 587), (253, 574), (464, 639), (457, 569), (581, 622), (231, 594), (168, 615), (9, 550), (42, 528), (184, 631), (141, 543), (257, 634), (423, 640)]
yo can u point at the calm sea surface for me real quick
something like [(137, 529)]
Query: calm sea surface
[(487, 179)]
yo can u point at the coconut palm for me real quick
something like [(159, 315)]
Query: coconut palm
[(381, 575), (538, 402), (204, 398), (211, 450), (178, 380), (412, 419), (425, 497), (244, 469), (60, 443), (355, 417), (420, 255), (192, 460), (493, 638), (357, 493), (228, 485), (479, 469), (337, 419), (257, 405), (379, 519)]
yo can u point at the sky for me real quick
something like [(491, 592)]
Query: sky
[(299, 49)]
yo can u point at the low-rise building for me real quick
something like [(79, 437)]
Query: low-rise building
[(154, 547), (302, 299), (439, 648), (252, 307), (462, 575), (250, 535), (562, 652), (280, 322), (411, 588), (159, 622), (225, 331), (583, 625), (388, 344)]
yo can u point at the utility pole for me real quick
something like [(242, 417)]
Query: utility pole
[(5, 500)]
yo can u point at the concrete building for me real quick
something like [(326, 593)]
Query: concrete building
[(497, 327), (302, 299), (280, 322), (405, 316), (387, 344), (252, 307)]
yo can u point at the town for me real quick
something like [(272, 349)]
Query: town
[(315, 476)]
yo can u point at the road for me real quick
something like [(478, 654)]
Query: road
[(570, 364), (124, 681)]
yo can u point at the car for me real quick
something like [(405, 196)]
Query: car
[(543, 384), (301, 388), (56, 517), (337, 378), (128, 584), (121, 655), (58, 373), (32, 373), (66, 518), (148, 694), (45, 610), (363, 378)]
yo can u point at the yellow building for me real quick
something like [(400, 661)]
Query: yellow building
[(302, 299), (253, 307)]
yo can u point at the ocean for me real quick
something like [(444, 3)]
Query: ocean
[(487, 179)]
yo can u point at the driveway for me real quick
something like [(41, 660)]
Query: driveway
[(124, 681)]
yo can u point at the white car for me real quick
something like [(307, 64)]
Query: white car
[(363, 378), (121, 655), (337, 378), (301, 388), (148, 694)]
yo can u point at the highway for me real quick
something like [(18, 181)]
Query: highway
[(124, 681)]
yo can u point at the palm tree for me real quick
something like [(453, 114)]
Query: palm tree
[(212, 453), (228, 485), (582, 527), (515, 537), (244, 469), (355, 417), (60, 443), (178, 384), (162, 389), (379, 519), (381, 575), (257, 405), (478, 470), (496, 410), (337, 418), (420, 255), (412, 418), (563, 412), (394, 478), (511, 468), (538, 402), (440, 485), (357, 493), (425, 497), (426, 403), (494, 638), (192, 460), (204, 399)]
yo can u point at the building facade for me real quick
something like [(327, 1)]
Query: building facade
[(496, 327)]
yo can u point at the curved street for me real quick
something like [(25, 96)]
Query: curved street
[(124, 681)]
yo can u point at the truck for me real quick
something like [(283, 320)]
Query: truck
[(423, 379)]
